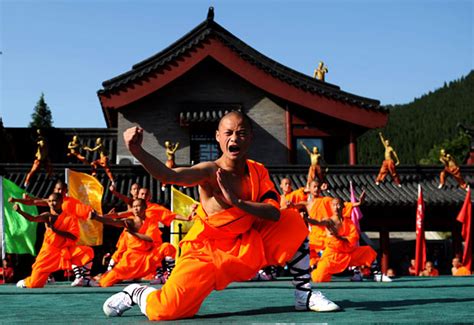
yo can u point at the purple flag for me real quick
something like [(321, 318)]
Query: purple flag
[(356, 214)]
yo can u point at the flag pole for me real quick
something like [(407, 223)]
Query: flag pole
[(2, 231)]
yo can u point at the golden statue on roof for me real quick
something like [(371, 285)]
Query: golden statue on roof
[(170, 153), (320, 71), (102, 161), (74, 148)]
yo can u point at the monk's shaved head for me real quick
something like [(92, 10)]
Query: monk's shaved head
[(239, 115)]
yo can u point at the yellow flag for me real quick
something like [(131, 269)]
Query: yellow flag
[(89, 191), (180, 204)]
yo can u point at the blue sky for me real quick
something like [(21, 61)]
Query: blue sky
[(393, 51)]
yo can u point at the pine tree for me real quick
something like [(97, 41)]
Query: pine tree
[(41, 117)]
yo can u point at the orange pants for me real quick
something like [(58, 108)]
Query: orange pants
[(333, 262), (315, 171), (136, 264), (211, 263), (455, 172), (388, 166), (51, 259)]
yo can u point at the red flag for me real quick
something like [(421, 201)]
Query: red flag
[(464, 217), (420, 254)]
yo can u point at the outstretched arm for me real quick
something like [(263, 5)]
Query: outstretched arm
[(361, 200), (305, 148), (382, 139), (184, 176), (119, 195), (44, 217), (29, 201), (120, 223)]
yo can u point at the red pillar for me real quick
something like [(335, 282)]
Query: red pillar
[(352, 149), (385, 250), (289, 137)]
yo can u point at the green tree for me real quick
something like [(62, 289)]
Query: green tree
[(458, 148), (41, 117)]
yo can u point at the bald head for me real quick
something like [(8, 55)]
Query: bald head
[(239, 115)]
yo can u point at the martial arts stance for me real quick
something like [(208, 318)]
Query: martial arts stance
[(341, 245), (388, 165), (243, 230), (450, 168), (142, 246), (59, 250)]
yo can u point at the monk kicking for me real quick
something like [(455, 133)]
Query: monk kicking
[(242, 230), (59, 250)]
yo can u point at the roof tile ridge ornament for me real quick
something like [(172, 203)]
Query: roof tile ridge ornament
[(210, 14)]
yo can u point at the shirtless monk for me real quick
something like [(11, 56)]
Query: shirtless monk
[(341, 245), (450, 168), (59, 249), (243, 230), (388, 165)]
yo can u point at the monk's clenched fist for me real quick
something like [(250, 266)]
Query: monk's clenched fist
[(133, 138)]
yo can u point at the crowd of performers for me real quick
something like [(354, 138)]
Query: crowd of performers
[(241, 226)]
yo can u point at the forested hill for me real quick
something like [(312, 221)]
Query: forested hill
[(422, 125)]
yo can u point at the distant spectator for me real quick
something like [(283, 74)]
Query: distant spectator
[(429, 270), (6, 272), (411, 269), (390, 273), (458, 269)]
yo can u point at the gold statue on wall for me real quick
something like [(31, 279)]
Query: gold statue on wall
[(102, 161), (41, 158), (388, 165), (75, 150), (170, 153), (315, 170), (450, 168), (320, 71)]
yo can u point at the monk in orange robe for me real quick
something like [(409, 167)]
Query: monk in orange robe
[(341, 246), (242, 230), (76, 209), (289, 197), (142, 245), (458, 269), (59, 249), (319, 208)]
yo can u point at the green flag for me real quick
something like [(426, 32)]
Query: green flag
[(18, 234)]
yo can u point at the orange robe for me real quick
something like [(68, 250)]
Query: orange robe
[(226, 247), (76, 207), (140, 257), (320, 210), (58, 252), (338, 254), (295, 196), (462, 271), (153, 211)]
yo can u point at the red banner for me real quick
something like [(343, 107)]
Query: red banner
[(464, 217), (420, 254)]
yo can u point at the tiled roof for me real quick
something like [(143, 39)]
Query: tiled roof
[(385, 195), (210, 29)]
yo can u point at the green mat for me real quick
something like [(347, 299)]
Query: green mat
[(444, 299)]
